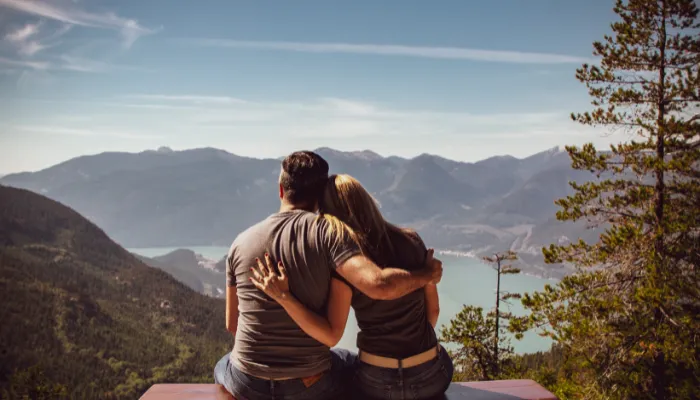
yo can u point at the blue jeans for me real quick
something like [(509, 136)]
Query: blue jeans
[(334, 384), (425, 381)]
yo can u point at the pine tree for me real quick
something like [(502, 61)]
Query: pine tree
[(496, 262), (628, 318), (485, 352)]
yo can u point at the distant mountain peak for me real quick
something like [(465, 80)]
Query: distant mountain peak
[(164, 149), (368, 155), (424, 156), (502, 157), (557, 149)]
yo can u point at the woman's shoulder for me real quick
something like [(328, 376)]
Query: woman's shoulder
[(413, 236), (408, 245)]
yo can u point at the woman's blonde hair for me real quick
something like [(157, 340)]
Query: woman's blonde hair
[(351, 210)]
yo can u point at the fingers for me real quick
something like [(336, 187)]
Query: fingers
[(269, 264), (437, 270), (282, 270), (257, 284), (266, 267), (261, 267), (256, 274)]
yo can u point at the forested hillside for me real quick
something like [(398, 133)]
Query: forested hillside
[(83, 318)]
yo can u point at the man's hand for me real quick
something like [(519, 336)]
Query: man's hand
[(434, 266)]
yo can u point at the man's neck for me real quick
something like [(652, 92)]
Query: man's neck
[(289, 207)]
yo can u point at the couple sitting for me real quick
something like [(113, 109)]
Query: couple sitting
[(292, 278)]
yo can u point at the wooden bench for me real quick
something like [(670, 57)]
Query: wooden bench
[(185, 391), (520, 389)]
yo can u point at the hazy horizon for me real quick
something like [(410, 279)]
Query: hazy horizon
[(558, 148), (465, 80)]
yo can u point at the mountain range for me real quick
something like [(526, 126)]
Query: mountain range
[(205, 197), (83, 318)]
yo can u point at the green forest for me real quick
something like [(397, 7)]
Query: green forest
[(83, 318)]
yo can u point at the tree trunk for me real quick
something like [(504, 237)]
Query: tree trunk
[(498, 300), (658, 384)]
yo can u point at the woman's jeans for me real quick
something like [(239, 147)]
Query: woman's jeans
[(425, 381), (334, 384)]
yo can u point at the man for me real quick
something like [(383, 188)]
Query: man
[(272, 357)]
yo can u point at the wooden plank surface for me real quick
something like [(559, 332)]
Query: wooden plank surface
[(519, 389), (186, 391)]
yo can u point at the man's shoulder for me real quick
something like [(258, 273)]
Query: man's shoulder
[(252, 233), (297, 219), (302, 220), (248, 232)]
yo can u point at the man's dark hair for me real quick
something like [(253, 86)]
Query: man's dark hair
[(303, 178)]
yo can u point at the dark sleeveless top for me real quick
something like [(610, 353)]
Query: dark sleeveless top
[(396, 328)]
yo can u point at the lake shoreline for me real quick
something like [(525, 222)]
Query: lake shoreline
[(467, 280), (473, 256), (198, 250)]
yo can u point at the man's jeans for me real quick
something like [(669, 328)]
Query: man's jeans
[(334, 384), (425, 381)]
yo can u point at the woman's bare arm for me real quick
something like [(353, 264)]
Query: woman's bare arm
[(326, 330), (432, 303), (231, 309)]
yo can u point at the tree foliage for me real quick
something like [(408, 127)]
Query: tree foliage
[(628, 318), (82, 317), (484, 351)]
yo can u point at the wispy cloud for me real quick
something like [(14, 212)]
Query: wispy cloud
[(58, 130), (68, 13), (21, 39), (257, 127), (195, 99), (23, 33), (68, 63), (80, 64), (38, 65), (30, 48), (454, 53), (340, 118), (55, 19)]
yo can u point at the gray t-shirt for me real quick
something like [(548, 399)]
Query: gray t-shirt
[(268, 342)]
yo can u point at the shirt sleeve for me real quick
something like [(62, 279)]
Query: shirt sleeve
[(230, 267), (336, 275), (339, 248)]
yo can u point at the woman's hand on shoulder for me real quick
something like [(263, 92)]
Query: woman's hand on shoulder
[(267, 278)]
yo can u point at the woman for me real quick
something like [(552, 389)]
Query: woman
[(400, 357)]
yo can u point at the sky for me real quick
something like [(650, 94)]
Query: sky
[(464, 79)]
